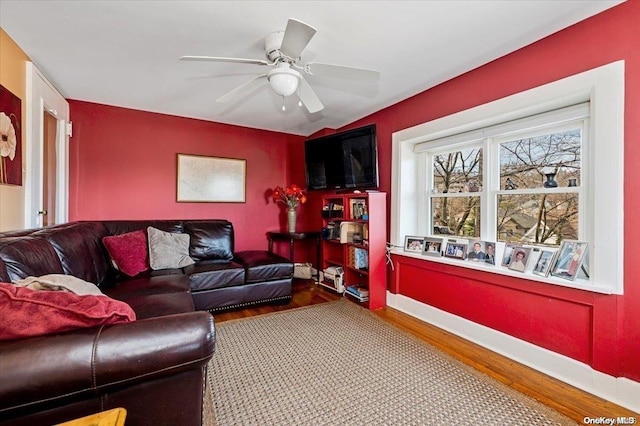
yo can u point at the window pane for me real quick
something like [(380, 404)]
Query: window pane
[(530, 162), (456, 216), (458, 171), (537, 218)]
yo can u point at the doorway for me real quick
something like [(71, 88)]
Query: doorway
[(47, 153), (49, 170)]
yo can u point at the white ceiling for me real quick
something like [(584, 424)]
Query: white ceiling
[(125, 53)]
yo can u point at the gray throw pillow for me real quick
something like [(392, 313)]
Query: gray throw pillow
[(168, 250)]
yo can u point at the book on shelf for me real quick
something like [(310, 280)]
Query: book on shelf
[(333, 207), (347, 230), (331, 231), (361, 258), (331, 210), (358, 291), (358, 258)]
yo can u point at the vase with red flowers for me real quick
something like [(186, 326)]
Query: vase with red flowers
[(291, 196)]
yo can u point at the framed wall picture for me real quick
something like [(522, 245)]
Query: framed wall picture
[(10, 138), (543, 265), (413, 244), (569, 259), (432, 247), (211, 179), (456, 250)]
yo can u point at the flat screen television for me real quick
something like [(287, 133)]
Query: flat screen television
[(345, 160)]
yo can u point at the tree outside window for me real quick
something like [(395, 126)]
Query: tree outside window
[(537, 200)]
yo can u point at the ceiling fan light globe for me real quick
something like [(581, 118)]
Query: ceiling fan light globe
[(284, 81)]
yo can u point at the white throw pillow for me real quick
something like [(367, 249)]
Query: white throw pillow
[(168, 250)]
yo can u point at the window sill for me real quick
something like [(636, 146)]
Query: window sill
[(578, 283)]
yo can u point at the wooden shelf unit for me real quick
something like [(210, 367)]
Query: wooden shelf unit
[(367, 213)]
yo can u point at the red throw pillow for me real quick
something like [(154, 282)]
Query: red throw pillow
[(27, 312), (129, 252)]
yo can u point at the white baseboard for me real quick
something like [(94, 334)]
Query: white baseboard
[(621, 391)]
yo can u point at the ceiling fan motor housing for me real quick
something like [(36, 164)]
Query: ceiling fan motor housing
[(284, 80), (272, 43)]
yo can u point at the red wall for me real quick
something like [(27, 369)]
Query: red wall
[(123, 166), (602, 331)]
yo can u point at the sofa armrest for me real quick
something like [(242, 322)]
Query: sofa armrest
[(94, 360)]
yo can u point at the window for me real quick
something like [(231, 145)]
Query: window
[(532, 182), (540, 166)]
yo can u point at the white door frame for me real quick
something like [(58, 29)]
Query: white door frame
[(43, 97)]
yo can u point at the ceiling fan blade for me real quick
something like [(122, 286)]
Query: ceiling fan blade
[(308, 97), (240, 91), (296, 37), (340, 71), (223, 59)]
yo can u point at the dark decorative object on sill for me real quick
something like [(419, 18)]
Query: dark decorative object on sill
[(550, 182)]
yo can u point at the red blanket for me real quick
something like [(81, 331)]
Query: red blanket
[(26, 312)]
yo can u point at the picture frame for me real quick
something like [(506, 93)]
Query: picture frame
[(490, 252), (569, 259), (432, 246), (519, 258), (456, 250), (476, 251), (203, 179), (413, 244), (506, 257), (544, 262), (11, 124)]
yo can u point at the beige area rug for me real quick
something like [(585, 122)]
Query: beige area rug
[(338, 364)]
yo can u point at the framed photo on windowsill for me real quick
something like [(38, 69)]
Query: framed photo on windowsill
[(519, 258), (569, 260), (432, 246), (543, 265), (456, 250), (413, 244)]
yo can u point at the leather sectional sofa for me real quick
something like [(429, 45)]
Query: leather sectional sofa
[(155, 367)]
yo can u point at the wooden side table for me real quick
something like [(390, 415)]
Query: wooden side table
[(292, 237)]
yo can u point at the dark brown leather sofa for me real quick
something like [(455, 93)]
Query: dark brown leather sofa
[(155, 367)]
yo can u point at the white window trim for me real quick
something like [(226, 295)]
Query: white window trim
[(603, 87)]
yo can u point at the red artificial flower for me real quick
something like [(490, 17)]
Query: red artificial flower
[(291, 195)]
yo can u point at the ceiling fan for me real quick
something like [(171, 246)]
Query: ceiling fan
[(283, 50)]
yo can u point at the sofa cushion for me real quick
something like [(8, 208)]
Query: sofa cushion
[(35, 313), (143, 285), (211, 274), (28, 256), (129, 252), (115, 227), (210, 239), (168, 250), (159, 305), (262, 265), (79, 247)]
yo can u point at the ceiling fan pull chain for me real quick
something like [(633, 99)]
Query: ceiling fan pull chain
[(283, 108)]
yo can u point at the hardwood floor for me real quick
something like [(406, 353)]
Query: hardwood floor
[(568, 400)]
